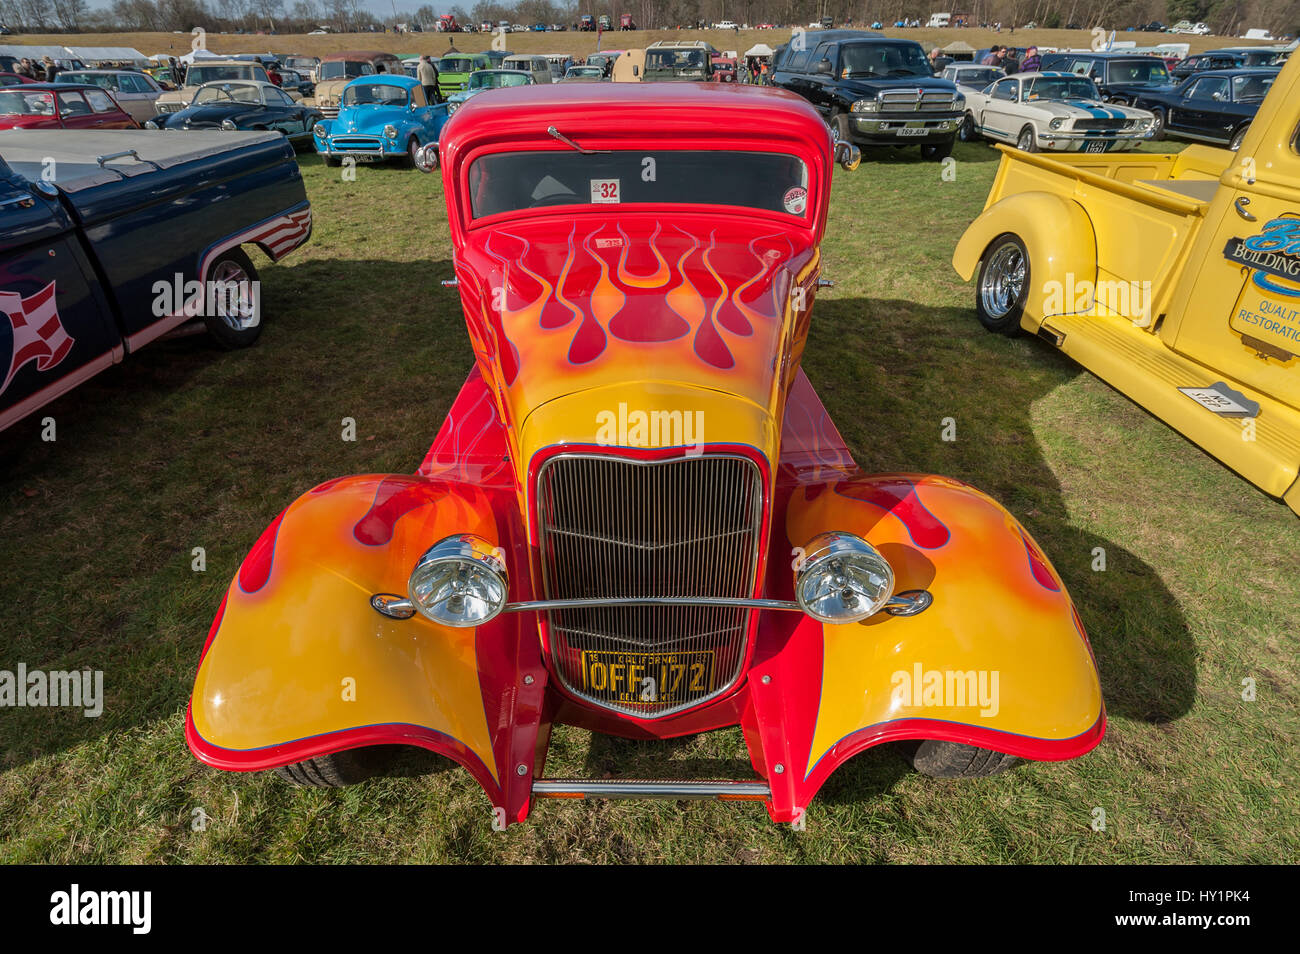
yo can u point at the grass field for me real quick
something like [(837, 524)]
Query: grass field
[(182, 446), (174, 44)]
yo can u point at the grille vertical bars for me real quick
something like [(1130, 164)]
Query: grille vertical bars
[(610, 527)]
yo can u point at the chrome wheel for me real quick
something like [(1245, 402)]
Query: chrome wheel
[(1237, 138), (239, 308), (1026, 141), (1003, 281)]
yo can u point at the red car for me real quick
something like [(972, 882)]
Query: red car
[(61, 106), (14, 79), (724, 69)]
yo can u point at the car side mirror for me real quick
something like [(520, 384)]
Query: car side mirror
[(426, 157), (847, 155), (824, 67)]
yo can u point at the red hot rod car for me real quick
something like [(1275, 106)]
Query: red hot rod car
[(637, 517)]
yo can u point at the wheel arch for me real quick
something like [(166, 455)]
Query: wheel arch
[(1056, 232)]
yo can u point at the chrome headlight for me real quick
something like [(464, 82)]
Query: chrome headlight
[(318, 131), (150, 124), (390, 131), (227, 124), (1144, 124), (1057, 123), (452, 107), (865, 106), (842, 579), (460, 581)]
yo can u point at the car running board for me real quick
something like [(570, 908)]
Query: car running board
[(724, 790)]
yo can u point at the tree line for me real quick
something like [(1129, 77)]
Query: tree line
[(1225, 17)]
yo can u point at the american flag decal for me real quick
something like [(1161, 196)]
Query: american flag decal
[(38, 333)]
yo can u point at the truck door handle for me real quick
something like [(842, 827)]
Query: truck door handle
[(1240, 206)]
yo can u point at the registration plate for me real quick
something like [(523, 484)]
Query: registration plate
[(913, 131), (647, 677), (1097, 145)]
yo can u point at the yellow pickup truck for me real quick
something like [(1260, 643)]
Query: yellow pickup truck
[(1175, 278)]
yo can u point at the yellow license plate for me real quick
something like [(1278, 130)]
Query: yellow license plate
[(663, 678)]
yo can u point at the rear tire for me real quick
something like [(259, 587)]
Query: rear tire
[(235, 330), (937, 151), (955, 760), (1003, 285), (332, 771)]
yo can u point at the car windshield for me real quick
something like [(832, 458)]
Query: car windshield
[(485, 80), (884, 59), (345, 69), (1059, 88), (1247, 89), (375, 94), (1151, 72), (456, 64), (227, 93), (584, 72), (676, 59), (507, 182), (198, 75), (980, 78), (13, 103), (87, 79)]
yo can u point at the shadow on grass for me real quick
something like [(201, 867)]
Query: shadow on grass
[(888, 372)]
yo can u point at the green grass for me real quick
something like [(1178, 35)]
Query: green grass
[(182, 446)]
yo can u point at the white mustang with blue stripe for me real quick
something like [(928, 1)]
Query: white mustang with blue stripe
[(1057, 111)]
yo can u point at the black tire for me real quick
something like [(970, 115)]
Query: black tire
[(1235, 142), (235, 329), (411, 148), (333, 161), (1027, 141), (954, 760), (1158, 126), (332, 771), (966, 131), (1003, 285), (840, 131), (937, 151)]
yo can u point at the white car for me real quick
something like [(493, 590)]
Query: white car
[(970, 76), (726, 25), (1060, 112)]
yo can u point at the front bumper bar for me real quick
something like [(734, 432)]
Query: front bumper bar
[(874, 129)]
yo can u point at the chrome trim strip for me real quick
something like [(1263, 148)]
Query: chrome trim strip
[(647, 788)]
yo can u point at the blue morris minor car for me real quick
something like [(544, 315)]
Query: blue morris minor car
[(384, 116), (114, 239), (485, 80)]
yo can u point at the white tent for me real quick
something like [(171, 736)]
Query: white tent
[(193, 55), (108, 54), (35, 52), (759, 49)]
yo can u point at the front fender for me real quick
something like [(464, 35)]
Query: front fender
[(999, 660), (298, 663), (1058, 235)]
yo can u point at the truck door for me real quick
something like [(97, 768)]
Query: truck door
[(55, 326), (1240, 311)]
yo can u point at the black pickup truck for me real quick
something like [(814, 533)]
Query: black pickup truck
[(872, 89)]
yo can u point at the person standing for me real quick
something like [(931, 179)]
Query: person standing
[(1032, 62), (991, 58), (51, 69), (427, 74)]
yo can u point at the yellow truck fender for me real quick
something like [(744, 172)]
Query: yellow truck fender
[(1062, 247)]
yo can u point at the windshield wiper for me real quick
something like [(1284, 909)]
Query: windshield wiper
[(556, 134)]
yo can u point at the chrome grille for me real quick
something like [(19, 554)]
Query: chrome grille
[(613, 528), (356, 144), (915, 101)]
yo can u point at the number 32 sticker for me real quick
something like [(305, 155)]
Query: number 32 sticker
[(605, 190)]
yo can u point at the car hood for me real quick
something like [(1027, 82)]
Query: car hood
[(692, 313), (872, 85), (363, 118), (216, 114), (1083, 109)]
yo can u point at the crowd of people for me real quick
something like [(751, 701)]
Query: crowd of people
[(42, 70), (1003, 57)]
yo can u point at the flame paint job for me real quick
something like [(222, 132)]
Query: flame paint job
[(569, 315)]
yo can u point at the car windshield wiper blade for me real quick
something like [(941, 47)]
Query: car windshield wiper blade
[(556, 134)]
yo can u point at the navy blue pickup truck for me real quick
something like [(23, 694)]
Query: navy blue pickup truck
[(110, 240)]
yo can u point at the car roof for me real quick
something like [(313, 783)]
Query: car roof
[(366, 55), (261, 84), (385, 79)]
